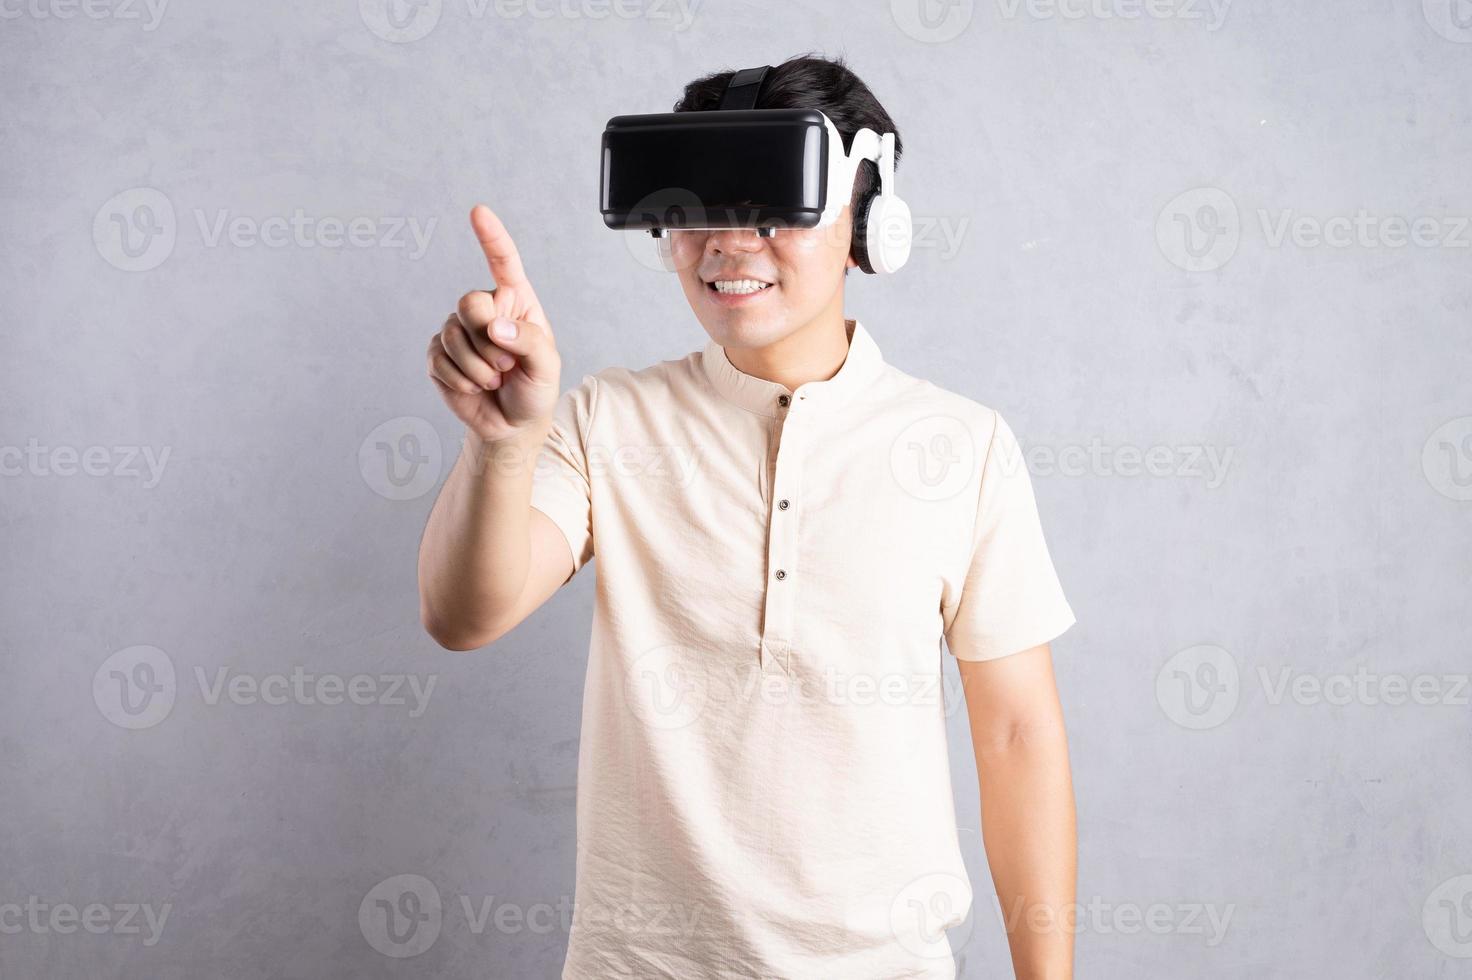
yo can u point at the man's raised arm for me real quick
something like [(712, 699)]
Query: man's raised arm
[(488, 558)]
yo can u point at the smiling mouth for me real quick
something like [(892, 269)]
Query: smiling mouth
[(738, 287)]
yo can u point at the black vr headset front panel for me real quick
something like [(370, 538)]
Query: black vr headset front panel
[(733, 168)]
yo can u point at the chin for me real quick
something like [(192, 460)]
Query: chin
[(731, 328)]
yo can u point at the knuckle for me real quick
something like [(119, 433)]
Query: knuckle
[(457, 343), (475, 307)]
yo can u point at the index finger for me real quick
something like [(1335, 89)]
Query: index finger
[(495, 241)]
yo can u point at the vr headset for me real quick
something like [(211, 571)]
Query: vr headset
[(741, 167)]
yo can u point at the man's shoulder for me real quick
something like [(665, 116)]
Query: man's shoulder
[(920, 395), (654, 377), (659, 382)]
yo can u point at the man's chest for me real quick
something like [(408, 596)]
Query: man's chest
[(804, 531)]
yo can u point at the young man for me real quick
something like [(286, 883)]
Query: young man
[(786, 526)]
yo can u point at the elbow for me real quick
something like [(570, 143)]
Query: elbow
[(455, 642), (453, 634)]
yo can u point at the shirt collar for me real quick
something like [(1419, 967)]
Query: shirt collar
[(761, 396)]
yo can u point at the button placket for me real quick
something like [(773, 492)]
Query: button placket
[(782, 540)]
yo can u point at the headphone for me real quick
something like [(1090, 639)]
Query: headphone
[(882, 227)]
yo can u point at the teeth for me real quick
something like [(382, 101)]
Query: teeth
[(740, 287)]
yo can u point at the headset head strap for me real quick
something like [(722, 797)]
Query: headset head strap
[(744, 88)]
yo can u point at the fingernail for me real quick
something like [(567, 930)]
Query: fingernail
[(504, 328)]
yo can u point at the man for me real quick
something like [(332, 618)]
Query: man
[(786, 526)]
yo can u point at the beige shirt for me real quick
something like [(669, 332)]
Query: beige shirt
[(763, 783)]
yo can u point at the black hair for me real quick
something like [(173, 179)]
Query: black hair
[(810, 81)]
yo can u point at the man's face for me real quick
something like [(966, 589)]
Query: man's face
[(802, 266)]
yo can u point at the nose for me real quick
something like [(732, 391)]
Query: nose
[(733, 241)]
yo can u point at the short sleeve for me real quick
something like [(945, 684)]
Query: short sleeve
[(1011, 599), (560, 485)]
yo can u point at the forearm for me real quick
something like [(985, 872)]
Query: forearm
[(475, 554), (1030, 834)]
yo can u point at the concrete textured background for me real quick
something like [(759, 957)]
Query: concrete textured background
[(1211, 260)]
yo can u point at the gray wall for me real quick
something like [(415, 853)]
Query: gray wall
[(1212, 263)]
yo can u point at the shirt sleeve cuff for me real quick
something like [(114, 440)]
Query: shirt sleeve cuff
[(570, 516), (1045, 630)]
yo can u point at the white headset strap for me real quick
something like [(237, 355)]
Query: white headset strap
[(886, 164), (843, 167)]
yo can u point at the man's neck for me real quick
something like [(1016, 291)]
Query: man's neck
[(813, 353)]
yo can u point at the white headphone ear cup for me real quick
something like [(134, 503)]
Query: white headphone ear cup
[(666, 255), (888, 231)]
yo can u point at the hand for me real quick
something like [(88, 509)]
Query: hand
[(500, 386)]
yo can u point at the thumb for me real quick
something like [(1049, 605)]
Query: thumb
[(532, 346)]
